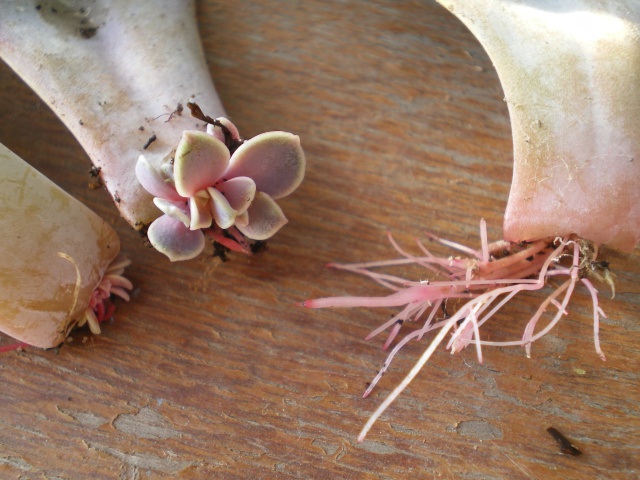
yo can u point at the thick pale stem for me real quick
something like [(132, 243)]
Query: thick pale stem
[(570, 71), (115, 72)]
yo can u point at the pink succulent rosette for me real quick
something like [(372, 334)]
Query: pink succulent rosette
[(221, 185)]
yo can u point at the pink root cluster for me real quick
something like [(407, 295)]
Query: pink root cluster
[(485, 282), (100, 307)]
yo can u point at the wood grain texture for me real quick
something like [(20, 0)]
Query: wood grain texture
[(212, 372)]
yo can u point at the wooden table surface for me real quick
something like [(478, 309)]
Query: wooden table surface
[(212, 372)]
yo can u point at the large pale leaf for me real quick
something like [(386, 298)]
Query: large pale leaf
[(274, 160)]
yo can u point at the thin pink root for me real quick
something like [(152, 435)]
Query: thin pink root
[(13, 346), (236, 244), (491, 277)]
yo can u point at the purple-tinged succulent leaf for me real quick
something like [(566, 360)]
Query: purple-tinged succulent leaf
[(274, 160), (223, 213), (200, 212), (174, 239), (199, 163), (239, 192), (217, 131), (265, 218), (242, 220), (153, 181), (176, 210)]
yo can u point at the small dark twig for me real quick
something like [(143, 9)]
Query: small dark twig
[(152, 139), (229, 141), (565, 445)]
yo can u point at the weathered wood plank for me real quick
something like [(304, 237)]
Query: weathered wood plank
[(211, 372)]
